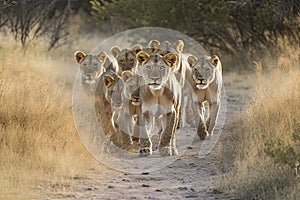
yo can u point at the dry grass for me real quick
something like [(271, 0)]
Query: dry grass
[(271, 114), (38, 139)]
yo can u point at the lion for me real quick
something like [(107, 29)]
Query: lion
[(179, 71), (160, 98), (205, 77), (103, 96), (131, 97), (123, 109), (177, 48), (126, 58), (92, 66), (132, 108)]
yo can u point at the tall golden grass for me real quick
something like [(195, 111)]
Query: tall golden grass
[(272, 114), (38, 139)]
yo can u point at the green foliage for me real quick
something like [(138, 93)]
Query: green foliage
[(247, 28), (287, 153)]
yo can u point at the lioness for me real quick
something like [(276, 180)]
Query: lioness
[(160, 98), (179, 71), (205, 77), (103, 96), (123, 111), (126, 58), (91, 68), (132, 101)]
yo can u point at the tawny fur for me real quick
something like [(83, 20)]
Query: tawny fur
[(161, 99), (205, 77)]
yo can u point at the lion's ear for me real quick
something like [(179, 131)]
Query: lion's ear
[(115, 51), (79, 56), (170, 59), (108, 80), (191, 60), (179, 46), (142, 57), (136, 48), (102, 56), (154, 46), (215, 60), (126, 75)]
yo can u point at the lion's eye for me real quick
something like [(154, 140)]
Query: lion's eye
[(84, 65), (121, 61), (148, 67), (162, 68), (96, 65), (131, 61)]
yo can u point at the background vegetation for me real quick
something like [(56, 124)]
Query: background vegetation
[(240, 31), (38, 141), (243, 30), (265, 139)]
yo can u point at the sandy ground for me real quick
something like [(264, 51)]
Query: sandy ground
[(189, 177)]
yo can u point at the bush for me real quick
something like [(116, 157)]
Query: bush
[(289, 153), (242, 30), (266, 138)]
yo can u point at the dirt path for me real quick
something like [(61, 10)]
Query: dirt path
[(188, 177)]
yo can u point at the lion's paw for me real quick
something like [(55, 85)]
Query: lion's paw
[(202, 134), (193, 124), (190, 122), (207, 124), (146, 151), (135, 139), (174, 151), (180, 124), (165, 151)]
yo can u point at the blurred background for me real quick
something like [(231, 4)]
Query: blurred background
[(239, 31)]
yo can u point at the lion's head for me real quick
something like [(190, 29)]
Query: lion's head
[(113, 88), (118, 87), (203, 70), (156, 69), (126, 58), (132, 87), (91, 66), (166, 47)]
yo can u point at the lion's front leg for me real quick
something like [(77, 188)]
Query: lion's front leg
[(199, 120), (168, 135), (145, 142), (201, 130), (214, 109), (136, 131), (196, 112), (173, 139), (134, 115), (180, 118)]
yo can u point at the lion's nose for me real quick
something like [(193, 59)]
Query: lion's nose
[(155, 79), (90, 75), (203, 81), (136, 97)]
